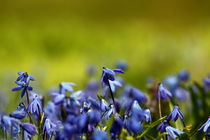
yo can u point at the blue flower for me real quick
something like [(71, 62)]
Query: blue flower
[(173, 132), (23, 76), (175, 114), (172, 82), (66, 87), (206, 84), (20, 112), (59, 99), (49, 127), (108, 75), (82, 122), (30, 128), (162, 127), (104, 105), (117, 126), (138, 95), (122, 65), (163, 92), (35, 107), (205, 126), (132, 125), (8, 124), (94, 116), (184, 75), (181, 94), (22, 86), (99, 135)]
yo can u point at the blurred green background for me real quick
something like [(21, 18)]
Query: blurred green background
[(55, 40)]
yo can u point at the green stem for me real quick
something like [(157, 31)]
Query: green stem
[(112, 95)]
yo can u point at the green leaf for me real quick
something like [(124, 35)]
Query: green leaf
[(151, 126)]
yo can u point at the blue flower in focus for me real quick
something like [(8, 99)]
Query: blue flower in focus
[(30, 128), (23, 83), (206, 127), (20, 112), (108, 75), (175, 114), (48, 128), (99, 135), (162, 127), (173, 132), (163, 92), (184, 75), (206, 84), (35, 107)]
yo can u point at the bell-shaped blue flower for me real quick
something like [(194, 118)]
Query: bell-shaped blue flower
[(30, 128), (94, 116), (108, 75), (20, 112), (173, 132), (66, 87), (162, 127), (205, 126), (132, 125), (122, 65), (163, 92), (35, 107), (175, 114), (49, 127)]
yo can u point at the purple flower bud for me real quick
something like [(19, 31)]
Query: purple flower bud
[(162, 126), (30, 128)]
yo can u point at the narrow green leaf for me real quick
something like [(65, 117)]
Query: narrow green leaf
[(151, 126)]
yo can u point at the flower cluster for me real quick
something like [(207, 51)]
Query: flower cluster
[(115, 110)]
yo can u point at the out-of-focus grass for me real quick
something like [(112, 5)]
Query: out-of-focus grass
[(56, 43)]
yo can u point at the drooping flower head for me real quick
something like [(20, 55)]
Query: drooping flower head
[(35, 107), (20, 112), (163, 92), (48, 128), (175, 114), (30, 128), (162, 127), (206, 126), (173, 132), (108, 75)]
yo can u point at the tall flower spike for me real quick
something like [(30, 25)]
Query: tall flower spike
[(173, 132), (206, 126), (163, 92), (175, 114)]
